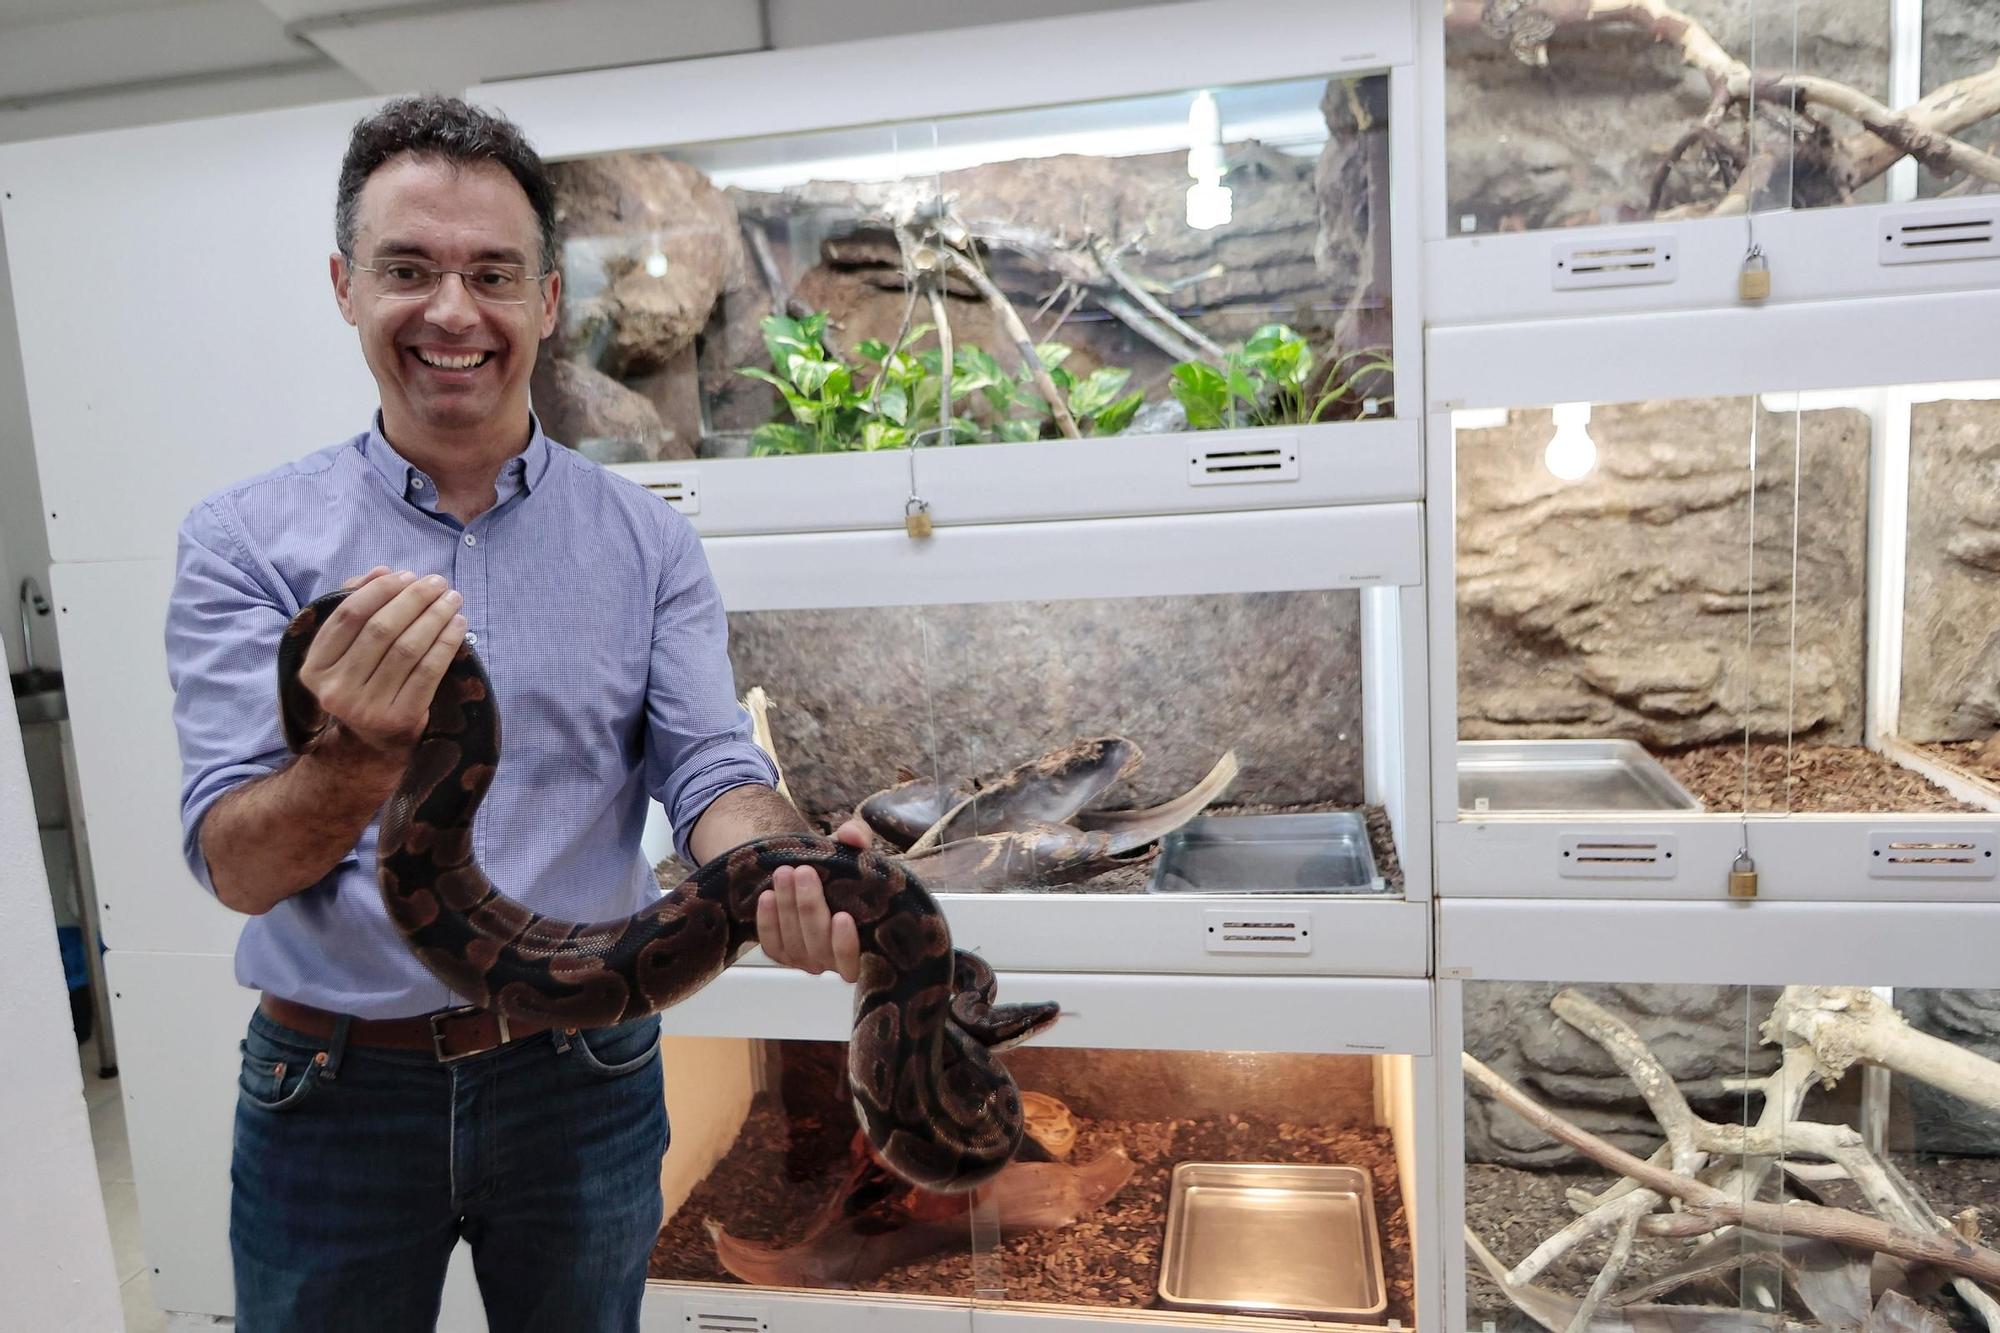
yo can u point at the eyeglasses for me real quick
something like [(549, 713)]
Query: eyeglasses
[(406, 279)]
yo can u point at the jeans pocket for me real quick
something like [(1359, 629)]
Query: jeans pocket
[(273, 1078), (616, 1051)]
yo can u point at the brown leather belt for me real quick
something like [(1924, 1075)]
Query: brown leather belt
[(449, 1034)]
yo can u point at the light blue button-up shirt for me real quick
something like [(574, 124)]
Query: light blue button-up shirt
[(597, 620)]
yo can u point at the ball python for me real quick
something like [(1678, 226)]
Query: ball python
[(941, 1111)]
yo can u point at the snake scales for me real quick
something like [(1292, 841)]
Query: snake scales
[(941, 1111)]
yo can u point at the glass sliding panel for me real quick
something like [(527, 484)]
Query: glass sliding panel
[(1195, 260), (1573, 1052), (1559, 117), (1961, 88), (768, 1182), (1948, 711), (1101, 745), (1613, 615), (1192, 1184)]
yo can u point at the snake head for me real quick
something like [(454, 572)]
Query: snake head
[(998, 1027)]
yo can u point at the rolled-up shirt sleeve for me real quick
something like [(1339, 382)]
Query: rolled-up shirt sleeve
[(701, 737), (223, 626)]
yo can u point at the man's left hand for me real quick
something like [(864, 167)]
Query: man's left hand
[(794, 927)]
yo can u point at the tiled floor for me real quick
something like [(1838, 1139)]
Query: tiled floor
[(121, 1203)]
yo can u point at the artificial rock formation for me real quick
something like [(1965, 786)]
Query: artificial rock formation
[(599, 417), (970, 690), (1616, 605), (1699, 1033), (1951, 610)]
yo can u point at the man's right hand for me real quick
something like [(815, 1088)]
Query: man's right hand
[(377, 660)]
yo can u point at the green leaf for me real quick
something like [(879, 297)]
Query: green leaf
[(756, 374), (882, 435), (1098, 391), (974, 368), (1061, 378), (1118, 415), (839, 385), (871, 349), (1242, 384), (778, 437), (1016, 431), (809, 373), (1052, 355), (813, 326), (1202, 392), (784, 338), (894, 404)]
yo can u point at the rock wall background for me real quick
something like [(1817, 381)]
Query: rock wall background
[(1698, 1033), (1615, 606), (976, 689), (1951, 607)]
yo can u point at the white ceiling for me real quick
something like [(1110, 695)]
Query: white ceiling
[(72, 65)]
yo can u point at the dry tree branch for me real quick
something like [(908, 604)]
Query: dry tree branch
[(1924, 130), (1010, 320), (1848, 1025), (1706, 1203)]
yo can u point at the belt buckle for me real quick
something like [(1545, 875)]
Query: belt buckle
[(440, 1018)]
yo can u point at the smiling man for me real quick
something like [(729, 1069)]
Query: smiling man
[(378, 1119)]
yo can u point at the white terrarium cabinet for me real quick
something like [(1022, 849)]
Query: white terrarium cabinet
[(1700, 983), (1826, 599), (889, 128), (1155, 1070), (1292, 639)]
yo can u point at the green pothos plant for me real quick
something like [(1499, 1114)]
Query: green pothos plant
[(896, 395), (1274, 379)]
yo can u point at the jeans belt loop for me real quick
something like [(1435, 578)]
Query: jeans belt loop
[(336, 1047)]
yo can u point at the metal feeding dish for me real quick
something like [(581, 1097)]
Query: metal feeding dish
[(1273, 1238), (1507, 777), (1316, 853)]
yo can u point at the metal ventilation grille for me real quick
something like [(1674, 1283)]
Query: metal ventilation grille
[(1617, 856), (1257, 931), (1931, 235), (711, 1317), (1635, 261), (680, 492), (1932, 855), (1277, 461)]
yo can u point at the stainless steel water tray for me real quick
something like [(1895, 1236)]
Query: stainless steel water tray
[(1565, 776), (1326, 852), (1273, 1238)]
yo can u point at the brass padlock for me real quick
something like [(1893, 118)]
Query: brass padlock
[(1743, 876), (1754, 282), (917, 517)]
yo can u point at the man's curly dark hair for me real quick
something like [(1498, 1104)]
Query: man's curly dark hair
[(442, 129)]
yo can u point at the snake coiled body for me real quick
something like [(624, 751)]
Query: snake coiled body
[(941, 1111)]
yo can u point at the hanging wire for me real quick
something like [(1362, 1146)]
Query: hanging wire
[(1750, 629), (1792, 681)]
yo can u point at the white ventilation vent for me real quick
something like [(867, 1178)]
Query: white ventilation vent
[(680, 492), (1932, 854), (1618, 856), (1932, 235), (1267, 459), (723, 1316), (1253, 930), (1629, 261)]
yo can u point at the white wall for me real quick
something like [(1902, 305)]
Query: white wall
[(55, 1249), (24, 542)]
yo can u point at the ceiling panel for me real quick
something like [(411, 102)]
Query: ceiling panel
[(148, 45)]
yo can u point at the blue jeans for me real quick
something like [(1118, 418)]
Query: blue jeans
[(355, 1176)]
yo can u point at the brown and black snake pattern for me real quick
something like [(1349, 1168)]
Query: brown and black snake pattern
[(940, 1109)]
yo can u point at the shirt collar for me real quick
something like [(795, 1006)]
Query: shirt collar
[(523, 472)]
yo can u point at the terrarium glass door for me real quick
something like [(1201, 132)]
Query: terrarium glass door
[(1702, 1157), (1204, 259), (1619, 627), (1564, 115)]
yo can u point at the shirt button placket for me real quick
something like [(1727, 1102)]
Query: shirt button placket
[(469, 578)]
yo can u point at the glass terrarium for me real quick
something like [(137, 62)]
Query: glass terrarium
[(1195, 261), (1560, 116), (1677, 1156), (1158, 1183), (1196, 774), (1682, 613)]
